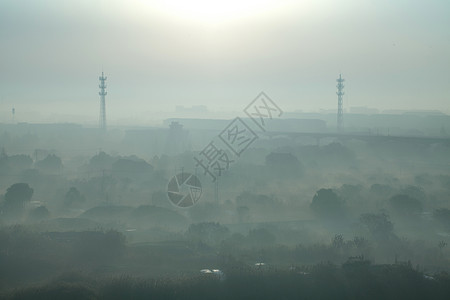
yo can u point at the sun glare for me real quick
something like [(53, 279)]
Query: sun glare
[(214, 11)]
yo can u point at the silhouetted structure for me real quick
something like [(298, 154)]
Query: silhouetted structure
[(102, 93), (177, 139), (340, 112)]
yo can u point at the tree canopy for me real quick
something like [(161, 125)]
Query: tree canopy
[(326, 203), (16, 196)]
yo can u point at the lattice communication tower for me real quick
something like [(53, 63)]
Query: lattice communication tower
[(340, 112), (102, 93)]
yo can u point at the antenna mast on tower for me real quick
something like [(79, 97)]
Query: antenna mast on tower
[(102, 93), (340, 112)]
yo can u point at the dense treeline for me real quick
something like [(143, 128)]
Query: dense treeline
[(353, 280), (286, 203)]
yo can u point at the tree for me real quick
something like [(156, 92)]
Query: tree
[(326, 203), (130, 167), (16, 196), (250, 200), (284, 164), (101, 161), (360, 242), (50, 164), (338, 241), (378, 225), (39, 213), (73, 198), (405, 205)]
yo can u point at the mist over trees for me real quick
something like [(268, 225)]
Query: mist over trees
[(15, 199), (303, 206), (327, 204)]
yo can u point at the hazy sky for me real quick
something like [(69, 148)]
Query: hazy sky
[(394, 54)]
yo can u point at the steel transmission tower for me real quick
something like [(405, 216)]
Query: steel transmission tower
[(340, 112), (102, 93)]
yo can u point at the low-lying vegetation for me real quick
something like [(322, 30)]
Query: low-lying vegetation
[(353, 280)]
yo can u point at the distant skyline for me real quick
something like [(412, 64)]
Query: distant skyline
[(162, 54)]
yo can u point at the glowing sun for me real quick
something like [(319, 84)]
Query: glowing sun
[(214, 11)]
